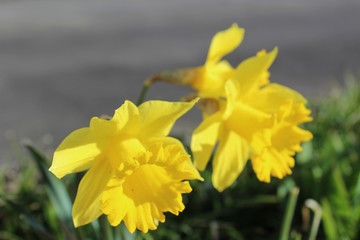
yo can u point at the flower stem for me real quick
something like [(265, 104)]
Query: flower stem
[(106, 228), (143, 92), (316, 208), (289, 213)]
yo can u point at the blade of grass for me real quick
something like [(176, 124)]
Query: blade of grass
[(289, 213), (329, 221), (56, 190), (316, 208), (35, 225)]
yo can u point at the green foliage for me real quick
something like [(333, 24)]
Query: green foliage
[(36, 205), (329, 167)]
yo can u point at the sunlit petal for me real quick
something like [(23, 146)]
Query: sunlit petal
[(204, 139), (158, 117), (245, 120), (76, 153), (273, 96), (249, 74), (87, 202), (229, 160), (126, 118), (268, 161), (224, 42)]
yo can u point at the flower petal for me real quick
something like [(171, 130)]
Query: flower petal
[(230, 159), (88, 198), (231, 97), (170, 153), (249, 74), (124, 151), (246, 120), (204, 139), (158, 117), (125, 119), (143, 197), (224, 42), (102, 129), (290, 137), (273, 96), (76, 153), (211, 83), (268, 161)]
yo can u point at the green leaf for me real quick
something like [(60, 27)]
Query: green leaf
[(330, 226), (289, 214), (56, 190), (26, 216)]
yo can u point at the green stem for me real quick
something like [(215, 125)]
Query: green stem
[(106, 228), (316, 208), (289, 214), (143, 92)]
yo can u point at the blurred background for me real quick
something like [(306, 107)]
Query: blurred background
[(62, 62)]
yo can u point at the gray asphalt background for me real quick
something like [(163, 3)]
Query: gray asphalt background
[(62, 62)]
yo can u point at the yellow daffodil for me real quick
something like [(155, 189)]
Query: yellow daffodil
[(135, 171), (256, 119), (208, 79)]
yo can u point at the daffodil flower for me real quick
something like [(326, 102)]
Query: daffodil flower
[(256, 120), (208, 79), (136, 172)]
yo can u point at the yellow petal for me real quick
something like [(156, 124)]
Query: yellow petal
[(170, 153), (102, 129), (204, 139), (76, 153), (158, 117), (143, 197), (112, 197), (223, 69), (88, 198), (272, 163), (230, 159), (270, 98), (224, 42), (141, 193), (245, 120), (268, 161), (231, 97), (290, 137), (211, 83), (127, 117), (294, 113), (286, 135), (124, 150), (249, 74), (274, 147)]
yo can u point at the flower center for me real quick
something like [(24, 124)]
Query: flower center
[(146, 183), (246, 120), (124, 150)]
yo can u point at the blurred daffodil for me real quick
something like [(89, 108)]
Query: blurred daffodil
[(208, 79), (135, 171), (256, 120)]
